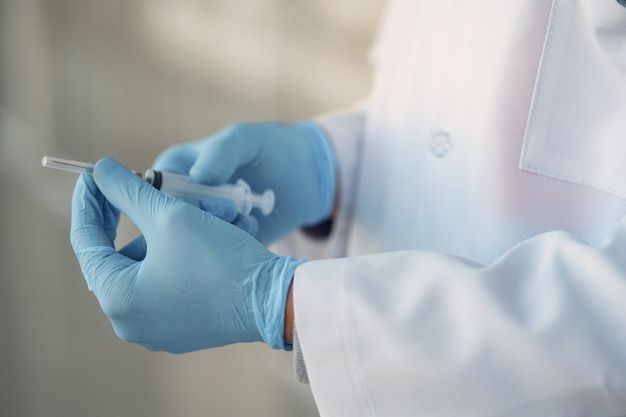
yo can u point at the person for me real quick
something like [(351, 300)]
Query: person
[(475, 264)]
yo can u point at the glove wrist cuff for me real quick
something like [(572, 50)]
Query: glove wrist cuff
[(270, 300), (326, 170)]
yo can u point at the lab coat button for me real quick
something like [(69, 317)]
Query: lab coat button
[(440, 144)]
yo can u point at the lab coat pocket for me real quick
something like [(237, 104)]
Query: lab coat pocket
[(576, 130)]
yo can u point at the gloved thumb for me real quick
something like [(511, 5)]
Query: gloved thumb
[(130, 194), (225, 152)]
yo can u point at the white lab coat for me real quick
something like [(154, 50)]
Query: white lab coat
[(480, 243)]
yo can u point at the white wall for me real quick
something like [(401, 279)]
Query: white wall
[(83, 79)]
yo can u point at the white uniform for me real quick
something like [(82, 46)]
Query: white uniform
[(481, 239)]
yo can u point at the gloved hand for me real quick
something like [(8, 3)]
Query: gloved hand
[(195, 281), (296, 161)]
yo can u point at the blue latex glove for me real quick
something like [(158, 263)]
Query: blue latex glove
[(296, 161), (194, 281)]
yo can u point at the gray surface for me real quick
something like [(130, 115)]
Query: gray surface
[(82, 79)]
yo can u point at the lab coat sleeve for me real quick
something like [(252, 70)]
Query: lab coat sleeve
[(540, 332)]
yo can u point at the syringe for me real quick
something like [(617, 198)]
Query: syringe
[(182, 186)]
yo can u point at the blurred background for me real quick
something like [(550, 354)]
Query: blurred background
[(83, 79)]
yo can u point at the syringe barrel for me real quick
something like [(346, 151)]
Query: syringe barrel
[(183, 187)]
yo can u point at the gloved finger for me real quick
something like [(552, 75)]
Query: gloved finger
[(223, 209), (228, 150), (177, 159), (248, 224), (227, 211), (136, 249), (140, 201), (93, 226), (109, 275), (94, 220)]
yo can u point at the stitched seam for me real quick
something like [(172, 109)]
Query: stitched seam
[(540, 78), (575, 180), (350, 351)]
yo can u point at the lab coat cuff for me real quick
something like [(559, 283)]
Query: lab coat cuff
[(299, 366), (320, 319)]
